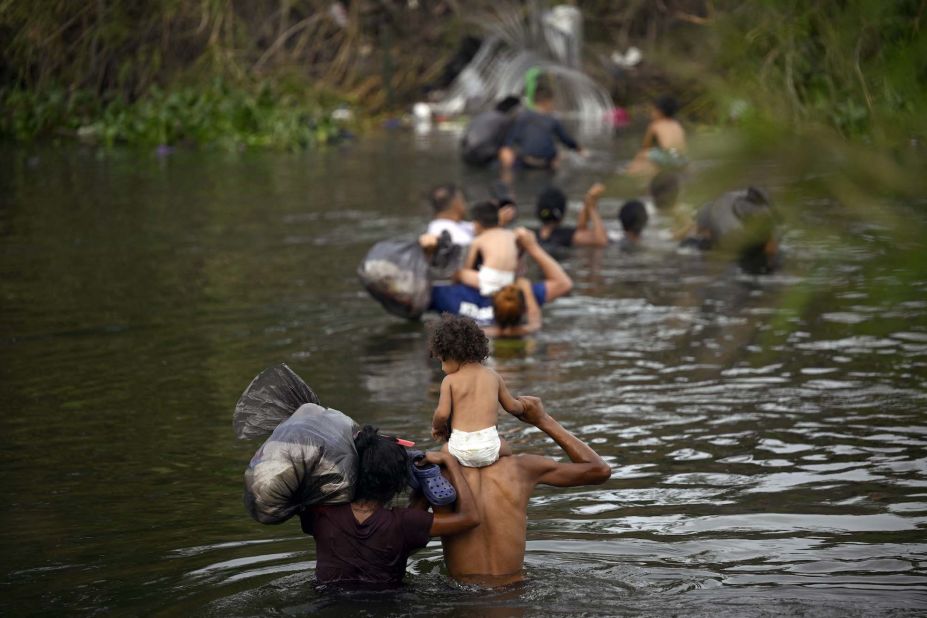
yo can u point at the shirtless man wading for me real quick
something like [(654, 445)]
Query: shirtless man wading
[(493, 553)]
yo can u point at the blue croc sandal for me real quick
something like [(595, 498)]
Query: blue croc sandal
[(414, 455), (436, 488)]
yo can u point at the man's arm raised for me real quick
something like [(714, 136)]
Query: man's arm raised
[(596, 236), (557, 283), (586, 467)]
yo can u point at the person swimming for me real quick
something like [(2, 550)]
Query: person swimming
[(589, 230), (633, 217)]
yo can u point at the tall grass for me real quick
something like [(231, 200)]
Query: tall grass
[(144, 71)]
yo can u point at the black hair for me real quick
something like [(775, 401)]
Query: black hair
[(442, 196), (485, 213), (543, 93), (667, 105), (633, 217), (382, 466), (508, 103), (551, 205), (458, 338), (664, 189)]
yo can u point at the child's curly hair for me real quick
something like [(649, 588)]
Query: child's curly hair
[(458, 338)]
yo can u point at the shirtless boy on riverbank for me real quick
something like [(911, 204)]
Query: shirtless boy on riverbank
[(497, 249), (470, 394)]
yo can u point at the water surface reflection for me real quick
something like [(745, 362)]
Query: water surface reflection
[(761, 458)]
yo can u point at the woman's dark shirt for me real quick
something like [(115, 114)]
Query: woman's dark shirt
[(560, 237), (371, 553)]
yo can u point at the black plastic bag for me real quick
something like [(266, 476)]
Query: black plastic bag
[(446, 259), (310, 458), (274, 395), (396, 273)]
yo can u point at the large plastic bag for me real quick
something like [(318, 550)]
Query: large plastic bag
[(395, 273), (728, 217), (309, 459), (743, 224), (399, 275), (269, 400)]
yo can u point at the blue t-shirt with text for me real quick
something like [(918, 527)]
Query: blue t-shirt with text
[(460, 299)]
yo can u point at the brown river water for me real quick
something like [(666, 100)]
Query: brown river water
[(767, 460)]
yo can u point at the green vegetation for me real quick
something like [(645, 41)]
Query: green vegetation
[(171, 71), (215, 114), (830, 99), (858, 66)]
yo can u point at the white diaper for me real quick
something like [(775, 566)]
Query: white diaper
[(475, 449), (493, 280)]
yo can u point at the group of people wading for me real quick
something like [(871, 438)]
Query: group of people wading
[(483, 529)]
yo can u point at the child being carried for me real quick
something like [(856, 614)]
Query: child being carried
[(497, 248), (470, 394)]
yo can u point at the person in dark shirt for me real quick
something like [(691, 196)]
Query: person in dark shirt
[(589, 230), (486, 132), (364, 544), (532, 142)]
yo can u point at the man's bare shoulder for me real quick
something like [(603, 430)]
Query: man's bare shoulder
[(507, 469), (528, 463)]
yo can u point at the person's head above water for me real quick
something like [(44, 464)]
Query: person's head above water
[(485, 214), (667, 106), (382, 466), (447, 197), (633, 217), (551, 206), (508, 104), (457, 340), (664, 189), (544, 98), (508, 306)]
